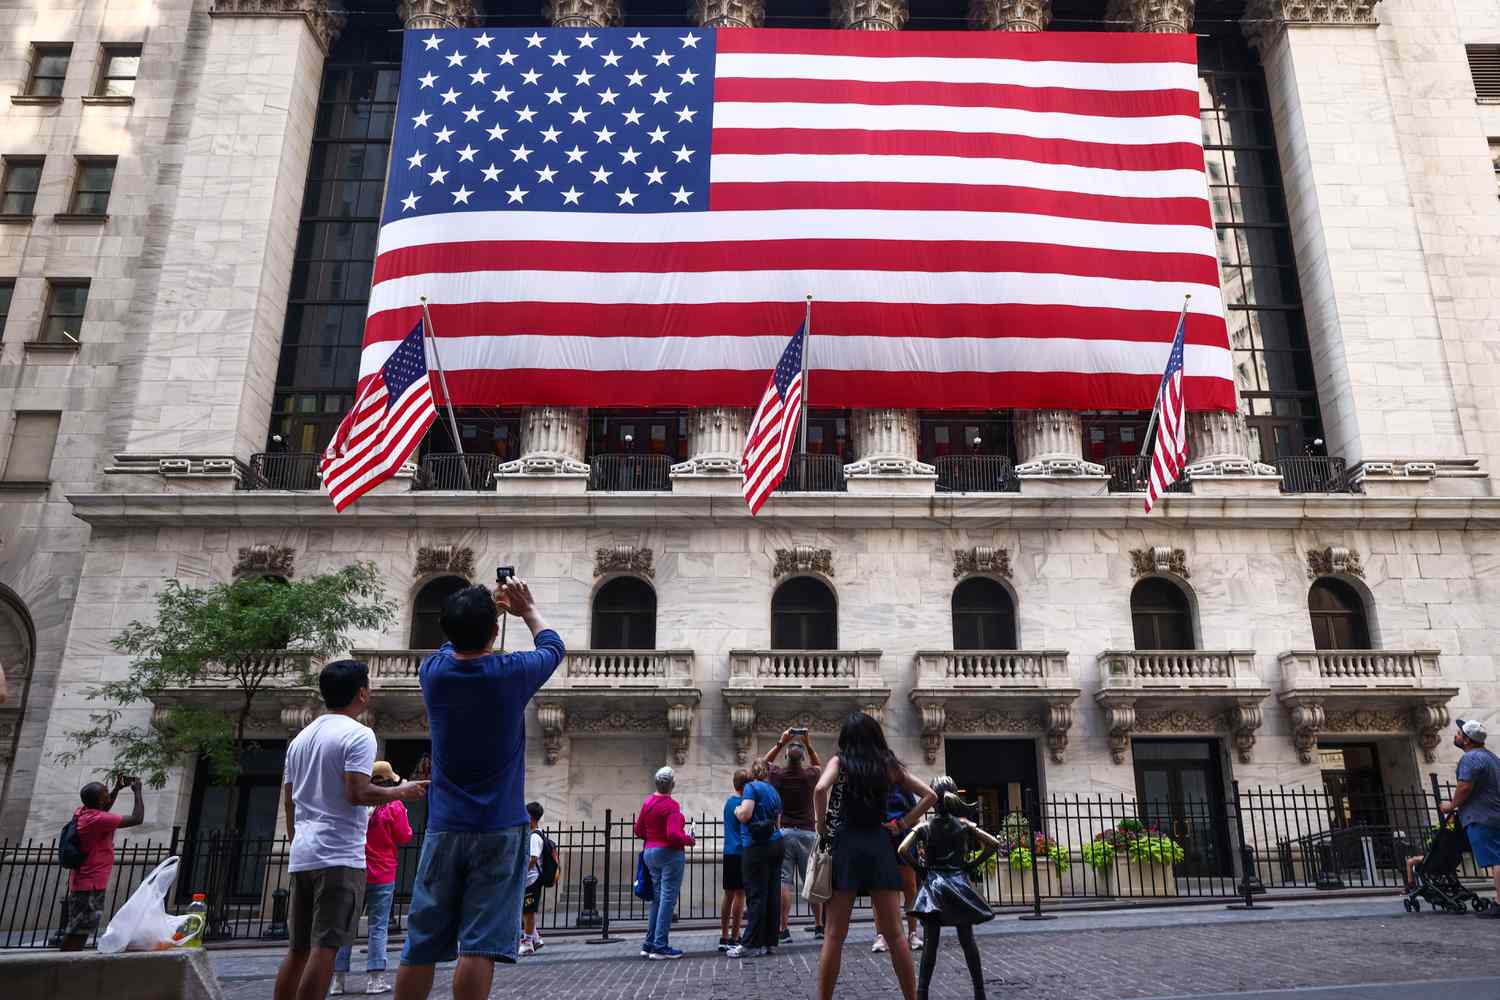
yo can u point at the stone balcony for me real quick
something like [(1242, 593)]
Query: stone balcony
[(769, 691), (1180, 692), (994, 692), (285, 685), (1376, 692)]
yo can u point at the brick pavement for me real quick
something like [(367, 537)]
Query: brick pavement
[(1134, 955)]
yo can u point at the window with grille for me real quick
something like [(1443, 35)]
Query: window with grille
[(32, 442), (118, 67), (1484, 67), (49, 66), (23, 175), (63, 322), (91, 186)]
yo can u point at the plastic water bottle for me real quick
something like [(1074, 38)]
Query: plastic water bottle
[(190, 932)]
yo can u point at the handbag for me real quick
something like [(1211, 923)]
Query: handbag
[(642, 885), (817, 883)]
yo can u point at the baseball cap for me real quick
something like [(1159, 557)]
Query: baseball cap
[(1473, 730)]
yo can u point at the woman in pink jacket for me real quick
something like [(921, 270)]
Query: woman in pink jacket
[(661, 826), (389, 829)]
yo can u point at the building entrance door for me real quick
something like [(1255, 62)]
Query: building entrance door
[(999, 774), (1181, 793)]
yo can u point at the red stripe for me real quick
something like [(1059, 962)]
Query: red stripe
[(376, 445), (897, 197), (1069, 46), (757, 255), (903, 390), (1067, 152), (1060, 100), (740, 319)]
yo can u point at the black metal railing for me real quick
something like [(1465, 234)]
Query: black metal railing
[(1314, 474), (630, 473), (1131, 473), (814, 474), (976, 474), (287, 470), (1093, 848), (452, 471)]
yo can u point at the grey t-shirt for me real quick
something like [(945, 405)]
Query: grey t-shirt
[(1480, 768)]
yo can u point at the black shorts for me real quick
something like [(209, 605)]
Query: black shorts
[(734, 874), (532, 900)]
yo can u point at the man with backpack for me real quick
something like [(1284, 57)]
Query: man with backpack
[(541, 873), (87, 846)]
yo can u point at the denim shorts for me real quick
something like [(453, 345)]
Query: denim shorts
[(466, 899), (1484, 841), (799, 845)]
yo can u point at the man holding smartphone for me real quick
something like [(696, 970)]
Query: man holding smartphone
[(795, 784)]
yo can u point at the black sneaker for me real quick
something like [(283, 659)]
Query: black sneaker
[(786, 935), (724, 944), (1492, 913), (818, 933)]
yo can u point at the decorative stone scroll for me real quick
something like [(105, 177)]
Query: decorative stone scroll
[(1240, 721), (981, 559), (455, 559), (1010, 15), (325, 19), (742, 723), (1310, 718), (557, 722), (803, 559), (1055, 722), (730, 13), (1158, 559), (1266, 19), (584, 13), (265, 560), (553, 718), (1162, 17), (1335, 559), (624, 559), (870, 15), (423, 14)]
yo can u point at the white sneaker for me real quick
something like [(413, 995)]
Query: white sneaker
[(879, 944), (736, 951), (337, 987), (527, 949), (914, 942), (537, 942), (378, 983)]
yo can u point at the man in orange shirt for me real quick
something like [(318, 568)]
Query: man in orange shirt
[(96, 835)]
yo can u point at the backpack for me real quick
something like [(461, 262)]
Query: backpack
[(548, 863), (70, 852)]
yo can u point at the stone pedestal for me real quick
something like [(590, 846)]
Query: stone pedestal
[(1219, 461), (716, 440), (1049, 446), (886, 443), (553, 440)]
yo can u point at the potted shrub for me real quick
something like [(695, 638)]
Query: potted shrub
[(1024, 850), (1134, 860)]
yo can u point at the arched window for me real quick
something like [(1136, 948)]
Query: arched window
[(983, 615), (1338, 616), (427, 611), (804, 615), (1161, 615), (624, 615)]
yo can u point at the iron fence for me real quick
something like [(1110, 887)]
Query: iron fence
[(453, 471), (976, 474), (1058, 848), (1314, 474), (293, 470), (814, 474), (1131, 473), (630, 473)]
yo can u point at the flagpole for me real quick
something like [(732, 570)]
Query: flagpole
[(430, 334), (1156, 408), (806, 350)]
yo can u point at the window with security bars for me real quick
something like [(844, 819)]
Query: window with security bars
[(18, 186), (1484, 67), (63, 321), (49, 67), (91, 186), (118, 68)]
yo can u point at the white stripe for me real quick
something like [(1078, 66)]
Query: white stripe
[(958, 69), (745, 168), (700, 287), (340, 477), (1099, 129), (834, 353), (824, 224)]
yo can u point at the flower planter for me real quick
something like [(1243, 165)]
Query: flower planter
[(1128, 878), (1016, 883)]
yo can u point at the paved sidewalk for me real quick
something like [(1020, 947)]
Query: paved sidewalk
[(1370, 947)]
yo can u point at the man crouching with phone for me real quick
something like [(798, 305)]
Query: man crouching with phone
[(466, 899)]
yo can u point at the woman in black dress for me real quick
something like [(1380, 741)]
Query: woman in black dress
[(946, 898), (850, 806)]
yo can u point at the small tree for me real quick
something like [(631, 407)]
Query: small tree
[(250, 633)]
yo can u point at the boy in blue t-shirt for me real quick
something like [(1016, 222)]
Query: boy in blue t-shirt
[(732, 907)]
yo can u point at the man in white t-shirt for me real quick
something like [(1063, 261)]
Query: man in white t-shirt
[(328, 793), (531, 941)]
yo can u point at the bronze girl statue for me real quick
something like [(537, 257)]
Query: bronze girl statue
[(941, 849)]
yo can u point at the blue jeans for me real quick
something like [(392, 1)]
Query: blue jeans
[(466, 899), (666, 865), (378, 900)]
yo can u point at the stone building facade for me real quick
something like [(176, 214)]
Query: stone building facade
[(1025, 628)]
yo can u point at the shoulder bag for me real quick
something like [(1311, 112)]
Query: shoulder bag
[(817, 883)]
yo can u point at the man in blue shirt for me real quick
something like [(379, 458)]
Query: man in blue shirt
[(759, 813), (1477, 800), (466, 899)]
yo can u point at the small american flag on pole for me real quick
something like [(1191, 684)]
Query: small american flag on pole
[(768, 450), (392, 412), (1169, 456)]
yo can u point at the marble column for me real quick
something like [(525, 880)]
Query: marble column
[(730, 13), (1010, 15), (869, 15), (418, 15), (716, 440)]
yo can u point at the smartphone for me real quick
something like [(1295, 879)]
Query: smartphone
[(503, 573), (799, 732)]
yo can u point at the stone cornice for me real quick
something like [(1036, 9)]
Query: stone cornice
[(440, 511), (325, 18), (1264, 20)]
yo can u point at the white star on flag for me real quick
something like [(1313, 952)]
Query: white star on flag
[(410, 201), (627, 197), (461, 196), (534, 41), (517, 195), (492, 173), (571, 196), (681, 195)]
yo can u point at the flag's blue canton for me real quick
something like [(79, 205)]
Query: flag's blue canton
[(406, 364), (553, 119), (1175, 359), (790, 365)]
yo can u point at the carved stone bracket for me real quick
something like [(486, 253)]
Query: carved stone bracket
[(1308, 720), (326, 20), (1311, 717), (934, 721), (803, 559), (1429, 721), (680, 730), (1010, 15), (584, 13), (1332, 560), (1243, 721), (1059, 721), (624, 559), (1119, 718), (1054, 722), (557, 722), (981, 559), (730, 13), (455, 559), (265, 560), (742, 722), (553, 719), (1158, 559), (870, 15)]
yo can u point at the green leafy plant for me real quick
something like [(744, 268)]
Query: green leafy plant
[(1020, 859), (1131, 827), (1155, 849), (1098, 855), (989, 867)]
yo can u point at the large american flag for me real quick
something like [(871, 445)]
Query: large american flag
[(987, 219), (768, 447), (1169, 456)]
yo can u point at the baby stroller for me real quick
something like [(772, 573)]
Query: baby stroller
[(1436, 875)]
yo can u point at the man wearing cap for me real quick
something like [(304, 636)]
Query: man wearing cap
[(1477, 800)]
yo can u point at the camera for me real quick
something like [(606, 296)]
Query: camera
[(504, 573), (800, 732)]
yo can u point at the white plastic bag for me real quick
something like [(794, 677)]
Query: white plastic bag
[(143, 923)]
